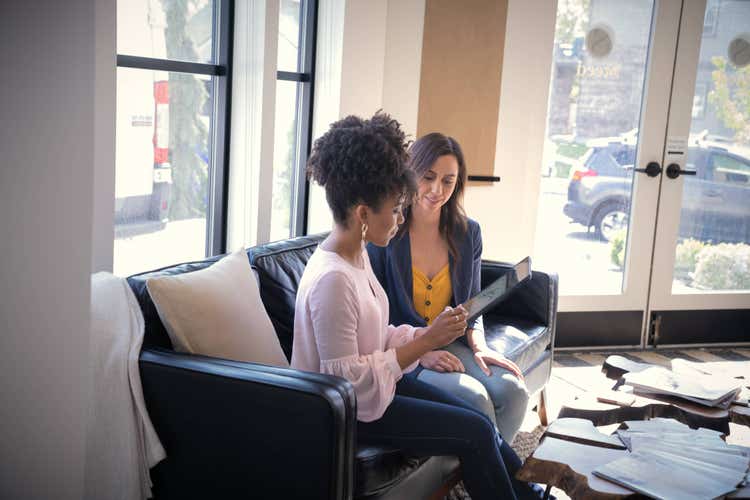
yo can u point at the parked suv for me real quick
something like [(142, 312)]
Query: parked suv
[(716, 201)]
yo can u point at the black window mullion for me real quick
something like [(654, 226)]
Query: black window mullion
[(305, 115), (216, 236), (137, 62), (292, 76)]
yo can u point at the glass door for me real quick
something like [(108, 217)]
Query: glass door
[(700, 287), (607, 113)]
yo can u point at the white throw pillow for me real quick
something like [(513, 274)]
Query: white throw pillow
[(218, 312)]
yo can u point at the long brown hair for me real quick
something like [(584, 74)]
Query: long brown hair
[(422, 155)]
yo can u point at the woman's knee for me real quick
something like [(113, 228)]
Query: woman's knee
[(471, 390), (507, 391), (475, 394)]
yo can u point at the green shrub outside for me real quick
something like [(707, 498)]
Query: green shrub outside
[(562, 169), (723, 267), (617, 248), (571, 149), (686, 256)]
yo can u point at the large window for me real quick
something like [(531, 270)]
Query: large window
[(172, 119), (599, 65), (294, 97)]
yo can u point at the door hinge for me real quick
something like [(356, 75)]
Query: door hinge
[(654, 329)]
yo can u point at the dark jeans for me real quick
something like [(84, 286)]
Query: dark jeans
[(425, 420)]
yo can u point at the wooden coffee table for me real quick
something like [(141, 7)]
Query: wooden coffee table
[(569, 466), (693, 414), (568, 462), (567, 457), (588, 406), (569, 452)]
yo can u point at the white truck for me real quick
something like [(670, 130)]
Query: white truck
[(143, 177)]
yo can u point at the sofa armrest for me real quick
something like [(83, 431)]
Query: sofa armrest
[(243, 430), (534, 300)]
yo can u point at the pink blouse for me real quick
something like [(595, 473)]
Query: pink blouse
[(341, 328)]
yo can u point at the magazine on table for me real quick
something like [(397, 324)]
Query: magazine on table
[(670, 460), (702, 389), (668, 476)]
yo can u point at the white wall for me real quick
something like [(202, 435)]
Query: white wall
[(506, 210), (363, 58), (105, 87), (403, 57), (348, 75), (47, 52)]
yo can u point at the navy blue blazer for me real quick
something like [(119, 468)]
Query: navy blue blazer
[(392, 266)]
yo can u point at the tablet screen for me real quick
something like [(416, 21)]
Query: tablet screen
[(498, 289)]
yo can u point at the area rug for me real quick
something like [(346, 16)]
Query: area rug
[(524, 445)]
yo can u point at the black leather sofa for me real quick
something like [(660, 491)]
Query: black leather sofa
[(245, 430)]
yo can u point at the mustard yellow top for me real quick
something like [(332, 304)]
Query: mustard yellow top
[(431, 296)]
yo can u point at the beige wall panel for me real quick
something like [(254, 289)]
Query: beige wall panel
[(462, 57), (507, 210)]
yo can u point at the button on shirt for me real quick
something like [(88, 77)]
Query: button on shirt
[(431, 296)]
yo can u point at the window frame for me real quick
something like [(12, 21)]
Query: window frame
[(305, 78), (711, 21), (219, 133)]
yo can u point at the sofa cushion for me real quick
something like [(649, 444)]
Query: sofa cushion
[(217, 312), (533, 300), (280, 266), (379, 467), (155, 335), (519, 340), (381, 470)]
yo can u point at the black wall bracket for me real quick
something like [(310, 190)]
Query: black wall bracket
[(484, 178)]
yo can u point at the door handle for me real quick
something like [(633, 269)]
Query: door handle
[(652, 169), (711, 194), (674, 171)]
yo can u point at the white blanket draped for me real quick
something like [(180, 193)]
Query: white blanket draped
[(121, 441)]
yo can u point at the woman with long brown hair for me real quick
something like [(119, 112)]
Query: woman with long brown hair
[(435, 261)]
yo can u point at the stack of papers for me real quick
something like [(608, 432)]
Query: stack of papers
[(670, 460), (667, 430), (685, 367), (691, 385)]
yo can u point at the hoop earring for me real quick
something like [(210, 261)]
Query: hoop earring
[(364, 232)]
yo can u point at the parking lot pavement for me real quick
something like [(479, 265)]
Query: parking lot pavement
[(581, 260), (169, 243)]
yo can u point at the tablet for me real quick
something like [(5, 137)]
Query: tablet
[(498, 289)]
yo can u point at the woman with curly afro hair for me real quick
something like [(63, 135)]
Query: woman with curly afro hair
[(341, 320)]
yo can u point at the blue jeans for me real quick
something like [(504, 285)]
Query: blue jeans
[(425, 420), (500, 396)]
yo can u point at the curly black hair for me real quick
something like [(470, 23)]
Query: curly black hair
[(362, 161)]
